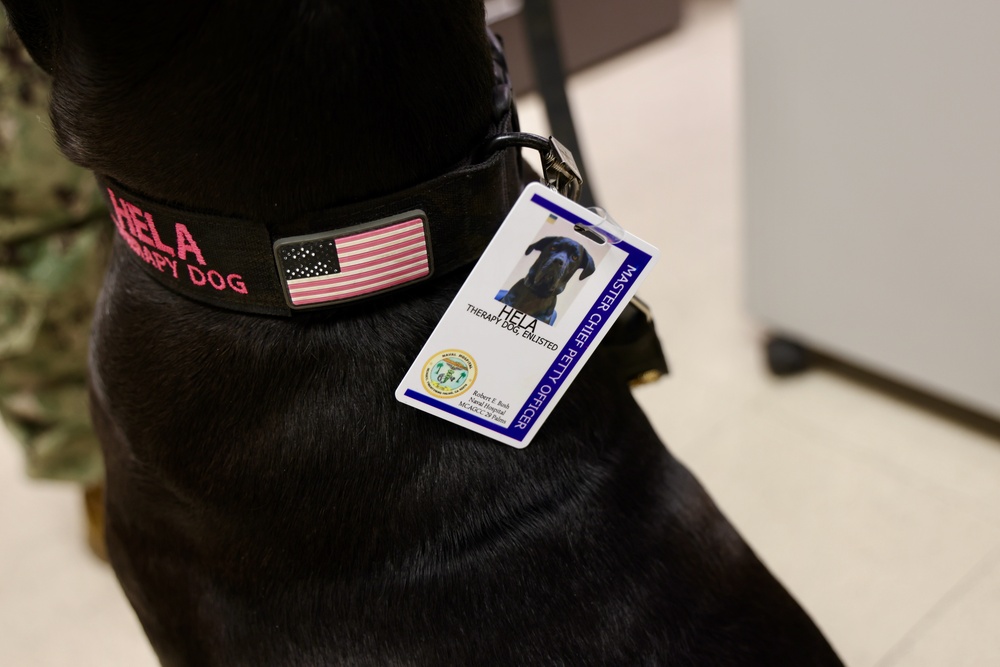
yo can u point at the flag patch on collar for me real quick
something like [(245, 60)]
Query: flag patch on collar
[(350, 263)]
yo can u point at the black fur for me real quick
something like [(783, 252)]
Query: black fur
[(269, 502)]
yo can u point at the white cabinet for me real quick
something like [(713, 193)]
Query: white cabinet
[(872, 185)]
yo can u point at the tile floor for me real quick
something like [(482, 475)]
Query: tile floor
[(878, 514)]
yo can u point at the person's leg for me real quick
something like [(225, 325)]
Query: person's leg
[(54, 243)]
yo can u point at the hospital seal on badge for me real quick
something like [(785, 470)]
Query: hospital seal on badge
[(449, 373)]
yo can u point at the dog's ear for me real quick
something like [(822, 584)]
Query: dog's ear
[(34, 23), (587, 265), (540, 245)]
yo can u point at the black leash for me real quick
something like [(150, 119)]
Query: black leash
[(551, 80)]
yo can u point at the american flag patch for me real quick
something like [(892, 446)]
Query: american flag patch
[(323, 268)]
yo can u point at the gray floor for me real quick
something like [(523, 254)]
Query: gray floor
[(881, 517)]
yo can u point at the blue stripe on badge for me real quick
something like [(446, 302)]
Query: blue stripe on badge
[(591, 326), (559, 210), (456, 412), (540, 399)]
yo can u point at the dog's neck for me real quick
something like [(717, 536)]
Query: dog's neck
[(300, 115)]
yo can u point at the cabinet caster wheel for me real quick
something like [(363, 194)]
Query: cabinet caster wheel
[(786, 357)]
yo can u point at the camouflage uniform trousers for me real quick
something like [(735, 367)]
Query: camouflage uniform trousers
[(54, 243)]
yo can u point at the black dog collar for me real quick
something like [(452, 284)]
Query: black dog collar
[(375, 246), (335, 256)]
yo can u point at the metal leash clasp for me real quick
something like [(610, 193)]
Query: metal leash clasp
[(559, 170)]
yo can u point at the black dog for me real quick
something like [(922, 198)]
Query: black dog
[(536, 293), (268, 501)]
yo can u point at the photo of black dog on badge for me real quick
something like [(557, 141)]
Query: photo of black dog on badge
[(559, 259)]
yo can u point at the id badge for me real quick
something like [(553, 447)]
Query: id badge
[(534, 308)]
